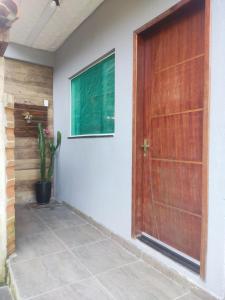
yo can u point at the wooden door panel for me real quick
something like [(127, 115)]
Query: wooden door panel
[(177, 43), (170, 107), (149, 218), (167, 176), (179, 230), (170, 92), (177, 137)]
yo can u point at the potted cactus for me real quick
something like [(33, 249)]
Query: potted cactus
[(46, 146)]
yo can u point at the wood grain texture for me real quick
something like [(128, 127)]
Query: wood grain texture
[(26, 153), (167, 176), (30, 174), (177, 137), (173, 116), (30, 84), (27, 164), (179, 224), (175, 60), (39, 115), (170, 92)]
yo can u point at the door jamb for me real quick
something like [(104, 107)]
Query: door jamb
[(137, 124)]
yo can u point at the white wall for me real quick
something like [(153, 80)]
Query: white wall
[(216, 244), (31, 55), (94, 175)]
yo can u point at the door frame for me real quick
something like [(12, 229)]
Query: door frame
[(138, 126)]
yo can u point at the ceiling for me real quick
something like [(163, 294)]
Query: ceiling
[(46, 27)]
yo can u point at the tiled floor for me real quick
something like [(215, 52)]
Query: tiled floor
[(5, 294), (62, 257)]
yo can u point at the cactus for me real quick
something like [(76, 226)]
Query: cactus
[(42, 151), (52, 149), (44, 140)]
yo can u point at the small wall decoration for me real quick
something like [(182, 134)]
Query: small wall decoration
[(27, 118)]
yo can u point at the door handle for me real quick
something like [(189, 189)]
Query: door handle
[(145, 147)]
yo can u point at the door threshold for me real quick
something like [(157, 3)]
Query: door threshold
[(184, 261)]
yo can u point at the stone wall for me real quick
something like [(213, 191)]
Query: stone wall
[(3, 234), (7, 178), (10, 172)]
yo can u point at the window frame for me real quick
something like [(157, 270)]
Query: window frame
[(71, 136)]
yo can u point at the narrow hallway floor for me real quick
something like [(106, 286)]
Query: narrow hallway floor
[(61, 256)]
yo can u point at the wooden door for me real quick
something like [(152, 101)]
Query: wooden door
[(169, 127)]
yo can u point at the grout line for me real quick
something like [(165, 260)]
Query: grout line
[(179, 297), (141, 260), (166, 276), (138, 258), (69, 250), (93, 276), (44, 222), (66, 226), (63, 228), (72, 253), (104, 288), (53, 231), (90, 244), (124, 248), (36, 257), (116, 268), (64, 286), (56, 289), (84, 266)]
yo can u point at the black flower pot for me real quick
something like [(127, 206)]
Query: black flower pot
[(43, 192)]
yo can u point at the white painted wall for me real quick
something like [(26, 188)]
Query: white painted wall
[(216, 238), (31, 55), (94, 175)]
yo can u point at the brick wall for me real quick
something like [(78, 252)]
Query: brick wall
[(10, 172)]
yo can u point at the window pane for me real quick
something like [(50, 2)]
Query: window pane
[(93, 94)]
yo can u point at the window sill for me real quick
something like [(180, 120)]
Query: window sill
[(91, 136)]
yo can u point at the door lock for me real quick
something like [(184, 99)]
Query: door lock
[(145, 147)]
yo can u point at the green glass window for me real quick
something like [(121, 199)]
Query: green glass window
[(92, 99)]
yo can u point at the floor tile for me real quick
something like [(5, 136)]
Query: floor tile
[(79, 235), (45, 270), (43, 274), (59, 217), (5, 294), (86, 290), (190, 296), (28, 224), (104, 255), (65, 268), (197, 294), (139, 281), (32, 279), (33, 246)]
